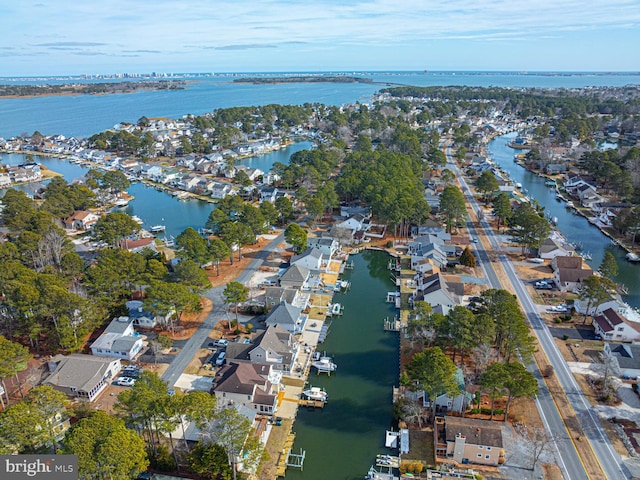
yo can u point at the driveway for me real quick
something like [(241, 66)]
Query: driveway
[(574, 333)]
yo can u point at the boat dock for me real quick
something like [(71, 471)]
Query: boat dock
[(392, 325), (288, 459), (394, 297), (306, 402)]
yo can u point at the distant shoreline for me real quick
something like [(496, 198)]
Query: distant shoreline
[(303, 79), (74, 89)]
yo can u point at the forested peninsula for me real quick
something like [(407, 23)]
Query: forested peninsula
[(10, 91)]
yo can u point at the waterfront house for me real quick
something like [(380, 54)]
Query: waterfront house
[(138, 245), (288, 317), (555, 168), (254, 385), (568, 272), (552, 247), (589, 197), (611, 325), (445, 403), (80, 220), (327, 245), (437, 290), (625, 358), (293, 296), (82, 376), (221, 190), (296, 276), (312, 259), (119, 340), (5, 179), (275, 346), (432, 251), (467, 440)]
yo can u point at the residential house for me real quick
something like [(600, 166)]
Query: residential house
[(438, 290), (275, 346), (588, 195), (296, 276), (81, 220), (138, 245), (327, 245), (445, 403), (625, 357), (553, 247), (4, 180), (119, 340), (254, 385), (288, 317), (83, 376), (268, 194), (221, 190), (275, 295), (555, 168), (568, 272), (311, 259), (433, 251), (611, 325), (468, 440), (143, 318)]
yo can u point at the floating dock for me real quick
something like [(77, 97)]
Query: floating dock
[(304, 402)]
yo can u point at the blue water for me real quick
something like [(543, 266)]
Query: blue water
[(152, 206), (85, 115), (575, 228)]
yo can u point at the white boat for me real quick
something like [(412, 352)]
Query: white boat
[(316, 393), (324, 365), (157, 228), (632, 257), (518, 185), (137, 219), (336, 309), (121, 202)]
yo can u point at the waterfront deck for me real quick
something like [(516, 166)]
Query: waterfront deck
[(303, 402)]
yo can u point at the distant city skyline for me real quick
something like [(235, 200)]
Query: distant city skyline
[(61, 37)]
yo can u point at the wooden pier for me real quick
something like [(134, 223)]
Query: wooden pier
[(304, 402), (392, 325)]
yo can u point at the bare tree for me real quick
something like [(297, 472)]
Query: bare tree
[(539, 443), (481, 355)]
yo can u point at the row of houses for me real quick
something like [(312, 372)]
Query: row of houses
[(26, 172), (253, 370)]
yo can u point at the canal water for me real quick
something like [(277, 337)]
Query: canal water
[(152, 206), (342, 440), (575, 228)]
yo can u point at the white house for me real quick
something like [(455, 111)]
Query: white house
[(610, 325), (254, 385), (327, 245), (311, 259), (119, 340)]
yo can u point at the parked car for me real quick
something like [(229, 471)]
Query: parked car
[(126, 381), (221, 342), (220, 359), (267, 283)]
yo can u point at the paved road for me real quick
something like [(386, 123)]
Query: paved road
[(566, 453), (219, 311), (569, 460)]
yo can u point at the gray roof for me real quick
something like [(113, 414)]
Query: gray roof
[(118, 325), (275, 339), (295, 273), (284, 314), (79, 371), (309, 252), (627, 354), (477, 432)]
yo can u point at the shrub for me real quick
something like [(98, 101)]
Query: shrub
[(389, 244)]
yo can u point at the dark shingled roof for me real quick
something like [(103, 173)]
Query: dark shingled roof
[(477, 432)]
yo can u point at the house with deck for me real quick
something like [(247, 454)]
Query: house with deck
[(312, 259), (468, 441), (82, 376), (275, 346), (254, 385), (288, 317), (296, 276), (438, 290), (81, 220), (625, 358)]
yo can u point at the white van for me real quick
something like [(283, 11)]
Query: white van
[(220, 359)]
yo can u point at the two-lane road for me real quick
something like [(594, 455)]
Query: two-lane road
[(569, 459)]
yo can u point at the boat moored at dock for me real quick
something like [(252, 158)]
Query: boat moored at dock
[(316, 393)]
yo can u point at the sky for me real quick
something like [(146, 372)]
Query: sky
[(71, 37)]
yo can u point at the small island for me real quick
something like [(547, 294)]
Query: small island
[(15, 91), (303, 79)]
